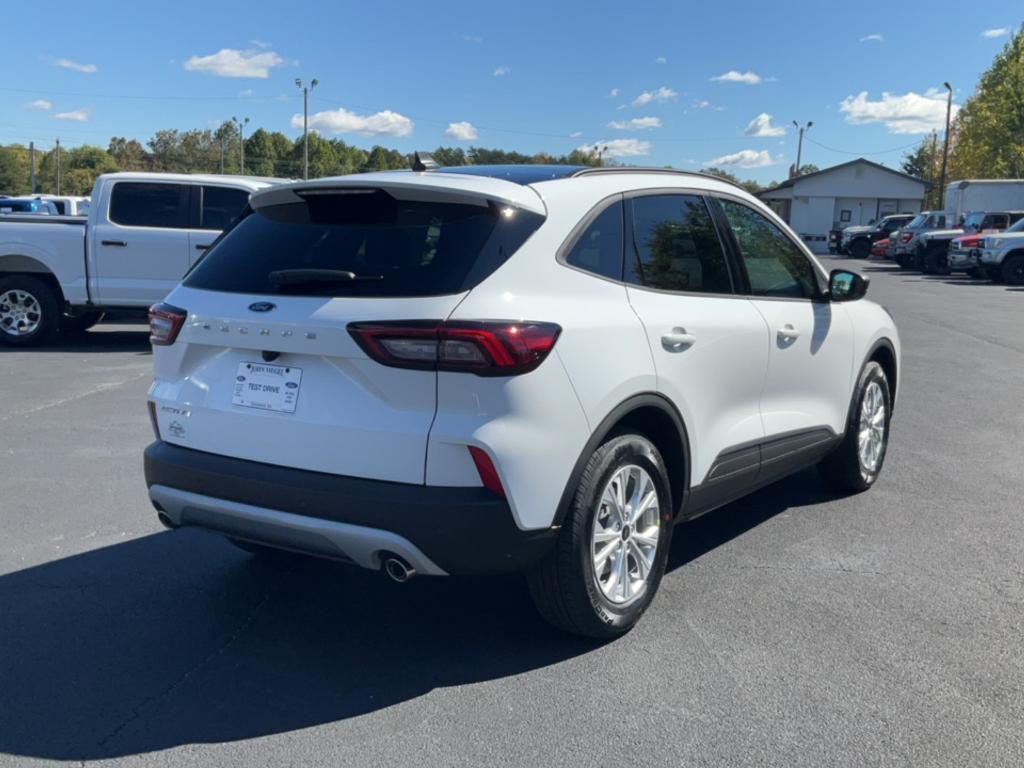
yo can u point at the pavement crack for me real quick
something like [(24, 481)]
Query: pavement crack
[(106, 386), (137, 710)]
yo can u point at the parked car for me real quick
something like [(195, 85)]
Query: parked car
[(1002, 255), (68, 205), (880, 248), (26, 205), (962, 255), (508, 368), (144, 233), (932, 246), (902, 245), (857, 241)]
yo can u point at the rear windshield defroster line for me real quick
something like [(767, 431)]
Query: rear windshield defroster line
[(408, 247)]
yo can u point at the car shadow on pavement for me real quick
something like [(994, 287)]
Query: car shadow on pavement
[(178, 638), (93, 341)]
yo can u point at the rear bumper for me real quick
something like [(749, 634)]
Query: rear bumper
[(438, 530)]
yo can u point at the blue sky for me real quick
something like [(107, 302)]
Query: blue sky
[(668, 83)]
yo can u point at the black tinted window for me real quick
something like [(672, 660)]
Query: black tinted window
[(676, 246), (775, 265), (143, 204), (364, 243), (221, 206), (599, 248)]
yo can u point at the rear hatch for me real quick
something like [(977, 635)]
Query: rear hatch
[(264, 367)]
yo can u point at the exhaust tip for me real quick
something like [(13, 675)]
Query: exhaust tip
[(165, 520), (397, 569)]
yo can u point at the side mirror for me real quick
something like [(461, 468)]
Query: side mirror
[(846, 286)]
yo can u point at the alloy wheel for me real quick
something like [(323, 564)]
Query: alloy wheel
[(624, 541), (20, 313), (871, 436)]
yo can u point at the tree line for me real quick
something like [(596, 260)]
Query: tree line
[(987, 136)]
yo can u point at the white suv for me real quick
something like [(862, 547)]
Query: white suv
[(532, 368)]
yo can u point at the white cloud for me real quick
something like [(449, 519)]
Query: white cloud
[(75, 66), (661, 60), (636, 124), (40, 104), (907, 113), (462, 131), (663, 94), (77, 116), (246, 93), (229, 62), (876, 38), (701, 103), (472, 38), (747, 158), (999, 32), (502, 71), (762, 126), (613, 93), (260, 44), (386, 123), (621, 107), (575, 134), (732, 76), (619, 148)]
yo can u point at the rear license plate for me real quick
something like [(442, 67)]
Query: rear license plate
[(268, 387)]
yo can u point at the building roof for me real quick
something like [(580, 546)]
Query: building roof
[(880, 167)]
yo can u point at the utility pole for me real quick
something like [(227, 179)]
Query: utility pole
[(32, 166), (945, 148), (800, 144), (305, 122), (58, 166), (241, 142)]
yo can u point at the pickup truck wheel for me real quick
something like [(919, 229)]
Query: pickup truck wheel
[(855, 465), (1013, 270), (79, 323), (29, 312), (977, 273), (860, 249), (607, 563), (935, 262)]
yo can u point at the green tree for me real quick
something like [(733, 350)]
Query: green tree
[(988, 139), (129, 154), (14, 173), (260, 154), (924, 162)]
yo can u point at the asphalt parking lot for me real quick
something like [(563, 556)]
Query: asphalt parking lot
[(794, 629)]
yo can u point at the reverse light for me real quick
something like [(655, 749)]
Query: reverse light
[(485, 468), (484, 347), (165, 323)]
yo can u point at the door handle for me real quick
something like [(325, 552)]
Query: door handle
[(788, 333), (202, 247), (117, 243), (677, 340)]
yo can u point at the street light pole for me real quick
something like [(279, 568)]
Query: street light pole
[(305, 122), (58, 166), (800, 144), (945, 148), (241, 142)]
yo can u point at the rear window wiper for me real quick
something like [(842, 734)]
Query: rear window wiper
[(289, 277)]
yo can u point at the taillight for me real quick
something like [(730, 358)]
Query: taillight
[(907, 237), (486, 348), (165, 323), (485, 468)]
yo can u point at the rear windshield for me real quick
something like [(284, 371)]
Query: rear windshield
[(917, 221), (364, 243)]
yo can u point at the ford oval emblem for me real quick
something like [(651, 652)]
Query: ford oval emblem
[(261, 306)]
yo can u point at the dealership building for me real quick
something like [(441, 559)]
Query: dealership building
[(857, 192)]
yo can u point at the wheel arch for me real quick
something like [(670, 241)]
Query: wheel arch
[(655, 417), (19, 264), (883, 352)]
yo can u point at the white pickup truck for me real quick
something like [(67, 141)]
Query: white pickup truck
[(143, 232)]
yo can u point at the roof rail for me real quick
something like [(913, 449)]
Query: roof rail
[(593, 171)]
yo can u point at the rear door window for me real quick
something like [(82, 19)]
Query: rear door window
[(364, 243), (147, 204), (675, 246), (221, 206)]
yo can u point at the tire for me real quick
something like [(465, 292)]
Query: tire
[(860, 249), (935, 263), (849, 469), (574, 592), (1013, 270), (977, 273), (79, 323), (29, 311)]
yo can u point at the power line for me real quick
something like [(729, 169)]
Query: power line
[(859, 154)]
